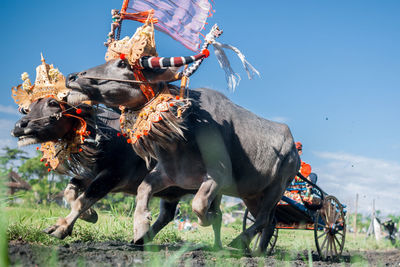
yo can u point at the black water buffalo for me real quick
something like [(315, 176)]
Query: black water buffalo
[(106, 163), (226, 149)]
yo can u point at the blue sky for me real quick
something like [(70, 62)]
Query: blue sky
[(329, 69)]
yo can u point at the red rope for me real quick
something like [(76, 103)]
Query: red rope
[(145, 87)]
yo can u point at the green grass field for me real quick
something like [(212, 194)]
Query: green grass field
[(27, 224)]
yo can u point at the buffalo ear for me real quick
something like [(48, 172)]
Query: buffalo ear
[(161, 75)]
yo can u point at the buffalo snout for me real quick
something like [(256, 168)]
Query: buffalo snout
[(20, 128), (22, 123)]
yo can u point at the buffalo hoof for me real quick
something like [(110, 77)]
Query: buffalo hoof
[(239, 243), (148, 237), (141, 227), (137, 246), (217, 246), (50, 229), (89, 216), (60, 230), (57, 231), (139, 242), (61, 233)]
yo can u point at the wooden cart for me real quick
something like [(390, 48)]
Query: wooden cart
[(306, 206)]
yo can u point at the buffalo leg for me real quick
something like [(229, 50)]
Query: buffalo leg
[(100, 187), (206, 205), (215, 209), (152, 184), (218, 164), (263, 218), (267, 234), (202, 201), (71, 192), (167, 213)]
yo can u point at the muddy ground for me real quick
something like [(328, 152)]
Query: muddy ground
[(117, 253)]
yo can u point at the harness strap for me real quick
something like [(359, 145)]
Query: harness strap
[(82, 130), (145, 87)]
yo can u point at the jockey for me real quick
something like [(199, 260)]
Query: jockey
[(305, 169)]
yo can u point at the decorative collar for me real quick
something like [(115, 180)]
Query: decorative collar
[(158, 123)]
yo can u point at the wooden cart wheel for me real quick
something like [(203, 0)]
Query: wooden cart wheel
[(330, 229), (255, 245)]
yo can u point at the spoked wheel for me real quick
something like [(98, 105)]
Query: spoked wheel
[(330, 229), (257, 243)]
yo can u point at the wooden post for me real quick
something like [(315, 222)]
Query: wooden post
[(373, 208), (184, 80), (355, 216)]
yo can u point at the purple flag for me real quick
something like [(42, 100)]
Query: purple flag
[(181, 19)]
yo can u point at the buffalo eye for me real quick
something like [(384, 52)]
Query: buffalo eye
[(53, 103), (122, 64)]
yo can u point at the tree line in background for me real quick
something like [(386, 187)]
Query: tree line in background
[(45, 185)]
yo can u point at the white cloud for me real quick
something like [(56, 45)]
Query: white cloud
[(344, 175), (8, 110)]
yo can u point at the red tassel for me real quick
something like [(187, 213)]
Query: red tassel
[(78, 111)]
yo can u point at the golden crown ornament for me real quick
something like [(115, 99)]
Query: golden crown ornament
[(49, 82), (140, 44)]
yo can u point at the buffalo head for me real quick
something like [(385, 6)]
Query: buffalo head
[(111, 84), (44, 122)]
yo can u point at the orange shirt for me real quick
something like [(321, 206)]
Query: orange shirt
[(305, 169)]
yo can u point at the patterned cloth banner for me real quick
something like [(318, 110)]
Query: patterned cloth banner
[(181, 19)]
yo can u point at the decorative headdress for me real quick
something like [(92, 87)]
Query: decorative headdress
[(49, 82), (141, 44)]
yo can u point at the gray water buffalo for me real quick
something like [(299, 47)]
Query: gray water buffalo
[(224, 149), (105, 164)]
